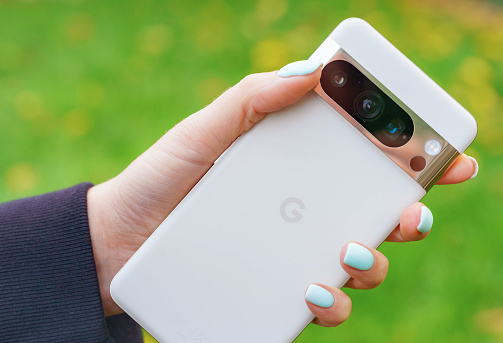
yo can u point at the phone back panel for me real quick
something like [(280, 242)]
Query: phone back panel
[(225, 266)]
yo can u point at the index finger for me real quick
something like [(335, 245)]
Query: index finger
[(464, 168)]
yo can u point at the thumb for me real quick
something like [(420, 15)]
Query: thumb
[(154, 183), (215, 127)]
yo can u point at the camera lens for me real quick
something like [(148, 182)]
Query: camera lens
[(369, 105), (394, 128), (339, 78)]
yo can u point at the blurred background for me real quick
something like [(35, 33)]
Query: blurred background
[(86, 86)]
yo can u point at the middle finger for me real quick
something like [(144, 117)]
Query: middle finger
[(367, 267)]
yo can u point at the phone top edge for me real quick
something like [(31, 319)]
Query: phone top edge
[(402, 77)]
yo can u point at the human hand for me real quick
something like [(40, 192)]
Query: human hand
[(124, 211)]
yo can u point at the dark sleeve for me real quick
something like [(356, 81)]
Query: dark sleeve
[(48, 284)]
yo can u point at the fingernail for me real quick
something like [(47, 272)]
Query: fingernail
[(475, 166), (358, 257), (426, 220), (299, 68), (319, 296)]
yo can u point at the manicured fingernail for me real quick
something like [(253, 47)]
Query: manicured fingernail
[(475, 167), (426, 220), (358, 257), (299, 68), (319, 296)]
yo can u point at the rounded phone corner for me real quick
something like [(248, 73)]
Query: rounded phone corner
[(473, 126), (472, 131), (464, 131), (114, 288), (353, 24), (353, 21)]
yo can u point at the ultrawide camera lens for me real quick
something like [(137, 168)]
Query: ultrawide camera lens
[(369, 105), (339, 78)]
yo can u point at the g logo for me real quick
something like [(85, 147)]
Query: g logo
[(289, 209)]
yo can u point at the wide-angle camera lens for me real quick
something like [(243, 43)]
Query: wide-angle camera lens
[(339, 78), (366, 103), (369, 105)]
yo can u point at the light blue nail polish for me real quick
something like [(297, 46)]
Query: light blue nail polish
[(299, 68), (319, 296), (426, 220), (358, 257)]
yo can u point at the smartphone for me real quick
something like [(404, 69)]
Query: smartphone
[(232, 262)]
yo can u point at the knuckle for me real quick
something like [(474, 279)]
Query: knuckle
[(248, 80), (252, 84), (250, 89), (246, 85)]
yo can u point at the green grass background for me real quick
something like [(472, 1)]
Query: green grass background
[(86, 86)]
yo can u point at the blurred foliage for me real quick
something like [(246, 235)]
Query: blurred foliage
[(86, 86)]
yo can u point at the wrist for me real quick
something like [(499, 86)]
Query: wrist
[(101, 216)]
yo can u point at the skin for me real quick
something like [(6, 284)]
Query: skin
[(125, 210)]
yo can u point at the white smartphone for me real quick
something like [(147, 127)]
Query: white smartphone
[(233, 261)]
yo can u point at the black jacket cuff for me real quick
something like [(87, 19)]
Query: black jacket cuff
[(49, 288)]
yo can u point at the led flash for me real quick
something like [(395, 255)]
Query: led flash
[(432, 147)]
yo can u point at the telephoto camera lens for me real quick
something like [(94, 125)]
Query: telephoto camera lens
[(369, 105), (394, 128), (339, 78)]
